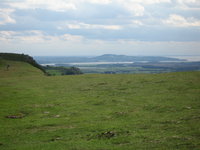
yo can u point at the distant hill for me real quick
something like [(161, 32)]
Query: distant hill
[(111, 58), (102, 58), (22, 58)]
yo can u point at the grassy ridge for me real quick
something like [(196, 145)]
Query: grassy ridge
[(17, 69), (22, 58), (95, 112)]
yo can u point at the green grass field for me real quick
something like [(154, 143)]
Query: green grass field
[(98, 112)]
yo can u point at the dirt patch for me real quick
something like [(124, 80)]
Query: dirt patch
[(108, 134), (51, 127), (16, 116), (56, 138)]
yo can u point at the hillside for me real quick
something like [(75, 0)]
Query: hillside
[(17, 69), (98, 112), (22, 58)]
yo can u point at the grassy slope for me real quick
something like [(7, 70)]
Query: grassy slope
[(158, 111), (17, 69)]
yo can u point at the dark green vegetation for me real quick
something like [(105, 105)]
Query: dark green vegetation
[(98, 112), (62, 70)]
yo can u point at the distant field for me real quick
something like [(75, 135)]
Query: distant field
[(120, 69), (98, 112)]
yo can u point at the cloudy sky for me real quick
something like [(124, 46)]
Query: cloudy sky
[(95, 27)]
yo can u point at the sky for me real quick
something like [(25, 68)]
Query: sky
[(96, 27)]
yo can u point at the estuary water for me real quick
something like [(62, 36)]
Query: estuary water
[(188, 58), (184, 59), (88, 63)]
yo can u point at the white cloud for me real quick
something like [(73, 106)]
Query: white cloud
[(6, 35), (80, 25), (143, 2), (148, 2), (187, 1), (137, 7), (69, 37), (187, 4), (35, 36), (104, 2), (134, 8), (56, 5), (137, 23), (180, 21), (5, 17), (31, 36)]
